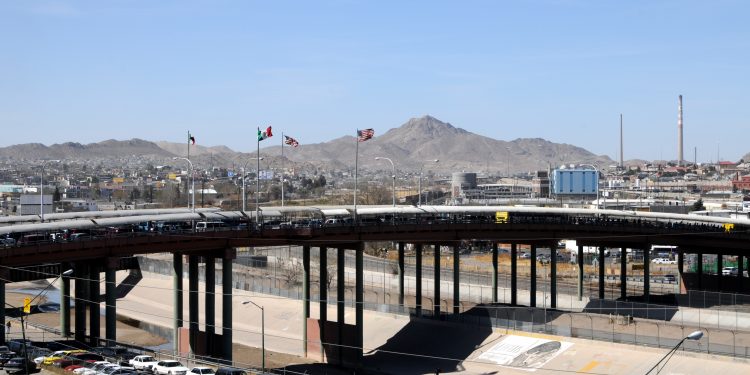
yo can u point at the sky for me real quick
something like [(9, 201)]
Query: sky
[(562, 70)]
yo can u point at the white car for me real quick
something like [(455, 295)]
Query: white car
[(201, 371), (143, 362), (169, 367), (95, 367)]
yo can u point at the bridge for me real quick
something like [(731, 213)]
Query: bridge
[(113, 239)]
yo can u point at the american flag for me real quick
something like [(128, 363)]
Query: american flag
[(290, 141), (363, 135)]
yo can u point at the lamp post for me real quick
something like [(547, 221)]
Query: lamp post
[(23, 324), (393, 175), (695, 336), (262, 333), (41, 189), (507, 161), (421, 167), (192, 178)]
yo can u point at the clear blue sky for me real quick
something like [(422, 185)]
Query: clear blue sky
[(87, 71)]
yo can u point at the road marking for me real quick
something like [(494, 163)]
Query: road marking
[(590, 366)]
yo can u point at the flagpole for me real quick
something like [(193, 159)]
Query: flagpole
[(190, 176), (282, 169), (257, 184), (356, 166)]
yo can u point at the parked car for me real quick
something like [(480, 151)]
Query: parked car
[(5, 357), (670, 278), (169, 367), (729, 271), (20, 365), (201, 371), (230, 371), (143, 362)]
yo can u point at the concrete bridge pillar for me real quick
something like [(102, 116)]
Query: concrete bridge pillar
[(226, 303), (305, 295), (418, 281), (193, 302), (513, 274), (81, 286), (436, 282), (699, 266), (623, 273), (719, 266), (93, 302), (553, 275), (359, 299), (646, 272), (456, 280), (401, 274), (579, 258), (340, 300), (323, 296), (210, 296), (680, 262), (532, 277), (2, 311), (494, 272), (602, 267), (110, 298), (177, 299), (64, 306), (740, 268)]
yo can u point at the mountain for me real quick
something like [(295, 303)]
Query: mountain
[(109, 149), (424, 139), (180, 149)]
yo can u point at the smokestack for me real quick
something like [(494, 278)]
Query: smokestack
[(622, 165), (679, 132)]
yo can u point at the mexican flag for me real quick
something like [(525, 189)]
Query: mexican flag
[(264, 134)]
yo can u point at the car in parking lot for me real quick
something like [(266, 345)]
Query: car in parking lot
[(143, 362), (201, 371), (20, 365), (729, 271), (169, 367)]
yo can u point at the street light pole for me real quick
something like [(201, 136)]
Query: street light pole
[(41, 189), (192, 178), (421, 167), (695, 336), (262, 334), (393, 175)]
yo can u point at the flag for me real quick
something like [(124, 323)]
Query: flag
[(363, 135), (290, 141), (191, 139), (264, 134)]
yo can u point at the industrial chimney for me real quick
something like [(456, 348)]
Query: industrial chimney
[(679, 132)]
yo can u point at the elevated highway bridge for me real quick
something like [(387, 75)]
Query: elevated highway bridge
[(112, 239)]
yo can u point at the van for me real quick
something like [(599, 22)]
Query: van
[(203, 226)]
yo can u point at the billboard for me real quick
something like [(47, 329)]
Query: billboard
[(575, 182)]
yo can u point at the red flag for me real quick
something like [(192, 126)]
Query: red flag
[(290, 141), (363, 135)]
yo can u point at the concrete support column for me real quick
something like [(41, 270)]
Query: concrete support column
[(740, 267), (226, 307), (193, 302), (210, 296), (719, 266), (494, 272), (177, 299), (602, 266), (532, 277), (553, 275), (646, 271), (513, 274), (436, 282), (80, 301), (401, 274), (2, 312), (700, 269), (64, 306), (359, 297), (456, 281), (623, 273), (418, 281), (110, 309), (680, 262), (323, 296), (94, 307), (340, 300), (579, 258), (305, 295)]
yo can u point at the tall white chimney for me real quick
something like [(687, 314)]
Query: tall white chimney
[(679, 132)]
